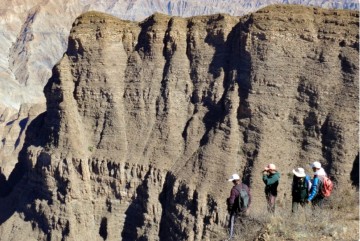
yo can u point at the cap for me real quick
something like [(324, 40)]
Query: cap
[(234, 177), (316, 165)]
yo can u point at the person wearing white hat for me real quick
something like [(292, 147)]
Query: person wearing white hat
[(271, 179), (239, 190), (300, 188), (319, 173)]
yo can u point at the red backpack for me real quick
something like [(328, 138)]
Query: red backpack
[(326, 187)]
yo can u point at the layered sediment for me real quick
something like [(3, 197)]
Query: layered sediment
[(146, 121)]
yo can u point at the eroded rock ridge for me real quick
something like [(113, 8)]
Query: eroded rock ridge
[(146, 121)]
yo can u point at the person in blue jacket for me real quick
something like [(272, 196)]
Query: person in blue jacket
[(271, 179), (315, 197)]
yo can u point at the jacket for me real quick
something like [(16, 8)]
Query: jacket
[(316, 182), (234, 193), (271, 183), (300, 188)]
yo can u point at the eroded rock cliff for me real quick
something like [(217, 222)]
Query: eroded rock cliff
[(34, 33), (146, 121)]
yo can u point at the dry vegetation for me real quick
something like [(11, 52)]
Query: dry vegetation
[(337, 220)]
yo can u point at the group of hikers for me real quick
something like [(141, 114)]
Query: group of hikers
[(304, 190)]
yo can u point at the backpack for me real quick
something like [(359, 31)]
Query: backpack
[(243, 199), (326, 187)]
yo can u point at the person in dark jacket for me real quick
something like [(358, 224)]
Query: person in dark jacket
[(233, 207), (300, 188), (271, 179)]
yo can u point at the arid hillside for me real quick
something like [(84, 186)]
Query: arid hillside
[(145, 122), (34, 36)]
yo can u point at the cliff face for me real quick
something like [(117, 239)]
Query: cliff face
[(146, 121), (12, 134), (34, 33)]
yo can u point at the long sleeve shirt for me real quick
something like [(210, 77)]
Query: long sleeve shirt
[(316, 184), (300, 188), (314, 188), (271, 182)]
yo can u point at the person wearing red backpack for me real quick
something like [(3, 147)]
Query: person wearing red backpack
[(315, 196)]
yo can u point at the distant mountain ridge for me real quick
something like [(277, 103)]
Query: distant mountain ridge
[(34, 33)]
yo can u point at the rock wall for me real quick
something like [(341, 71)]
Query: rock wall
[(146, 121), (13, 125), (34, 33)]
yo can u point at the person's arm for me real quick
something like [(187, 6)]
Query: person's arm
[(231, 200), (265, 176), (314, 189), (268, 180), (232, 197)]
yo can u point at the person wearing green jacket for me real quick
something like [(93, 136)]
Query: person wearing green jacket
[(301, 186), (271, 179)]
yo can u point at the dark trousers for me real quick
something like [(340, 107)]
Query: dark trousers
[(318, 201), (233, 216), (231, 224), (270, 199)]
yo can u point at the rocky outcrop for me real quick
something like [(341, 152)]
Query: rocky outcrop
[(146, 121), (34, 33), (13, 125)]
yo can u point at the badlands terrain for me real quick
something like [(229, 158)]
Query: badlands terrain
[(34, 36), (34, 33), (145, 121)]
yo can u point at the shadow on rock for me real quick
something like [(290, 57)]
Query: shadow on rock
[(354, 174), (135, 212), (20, 190)]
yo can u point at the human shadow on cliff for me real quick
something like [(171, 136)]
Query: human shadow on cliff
[(231, 58), (242, 63), (21, 189)]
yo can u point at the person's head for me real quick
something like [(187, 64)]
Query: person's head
[(235, 178), (271, 168), (316, 166), (299, 172)]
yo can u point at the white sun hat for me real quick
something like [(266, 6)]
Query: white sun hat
[(234, 177), (299, 172), (316, 165)]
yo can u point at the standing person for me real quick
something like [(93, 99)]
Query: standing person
[(315, 197), (271, 179), (300, 188), (238, 202)]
